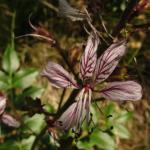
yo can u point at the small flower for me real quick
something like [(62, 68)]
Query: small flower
[(93, 71), (4, 117)]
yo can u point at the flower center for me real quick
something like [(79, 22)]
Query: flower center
[(87, 87)]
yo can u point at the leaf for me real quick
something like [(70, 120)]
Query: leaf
[(26, 144), (33, 91), (9, 145), (121, 131), (4, 85), (109, 110), (24, 78), (123, 117), (85, 145), (34, 124), (102, 140), (10, 62)]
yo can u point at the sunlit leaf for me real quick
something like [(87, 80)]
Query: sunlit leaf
[(33, 91), (121, 131), (34, 124), (85, 145), (26, 144), (103, 140), (123, 117), (3, 81), (24, 78), (10, 62)]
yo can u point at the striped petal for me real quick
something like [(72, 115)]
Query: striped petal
[(10, 121), (74, 116), (58, 76), (117, 91), (89, 58), (109, 60), (2, 103)]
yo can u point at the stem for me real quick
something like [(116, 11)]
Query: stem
[(61, 99), (12, 29), (37, 139), (125, 17)]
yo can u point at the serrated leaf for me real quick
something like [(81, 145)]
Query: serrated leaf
[(10, 62), (24, 78), (121, 131), (103, 140)]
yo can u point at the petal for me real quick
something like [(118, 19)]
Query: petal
[(2, 103), (89, 58), (67, 11), (74, 116), (67, 120), (10, 121), (109, 60), (128, 90), (58, 76)]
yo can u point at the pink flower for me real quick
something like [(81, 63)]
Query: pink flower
[(4, 117), (93, 71)]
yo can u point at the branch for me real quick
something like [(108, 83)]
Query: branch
[(125, 17)]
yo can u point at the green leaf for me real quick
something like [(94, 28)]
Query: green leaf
[(109, 109), (102, 140), (10, 62), (4, 85), (24, 78), (85, 145), (9, 145), (26, 144), (34, 124), (121, 131), (123, 117), (34, 92)]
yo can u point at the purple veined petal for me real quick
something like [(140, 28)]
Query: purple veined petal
[(2, 103), (89, 58), (128, 90), (108, 61), (67, 120), (58, 76), (73, 116), (10, 121)]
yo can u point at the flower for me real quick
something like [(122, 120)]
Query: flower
[(93, 71), (5, 117)]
